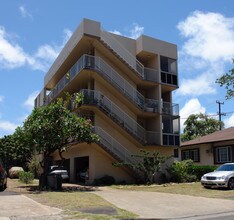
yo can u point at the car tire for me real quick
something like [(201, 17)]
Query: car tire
[(207, 187), (231, 184)]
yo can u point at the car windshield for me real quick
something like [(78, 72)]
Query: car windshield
[(226, 167)]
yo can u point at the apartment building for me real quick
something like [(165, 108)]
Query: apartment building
[(125, 86)]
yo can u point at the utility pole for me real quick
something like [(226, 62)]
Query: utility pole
[(219, 113)]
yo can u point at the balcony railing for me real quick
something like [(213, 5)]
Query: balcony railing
[(171, 139), (114, 146), (145, 73), (92, 97), (151, 75), (170, 109), (96, 63)]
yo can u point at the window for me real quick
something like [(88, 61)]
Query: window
[(192, 154), (223, 154)]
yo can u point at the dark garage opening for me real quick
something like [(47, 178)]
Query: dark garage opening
[(81, 169)]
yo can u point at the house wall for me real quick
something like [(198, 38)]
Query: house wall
[(207, 151)]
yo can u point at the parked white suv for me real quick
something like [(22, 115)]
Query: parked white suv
[(222, 177)]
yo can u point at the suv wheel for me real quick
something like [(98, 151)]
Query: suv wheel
[(231, 183)]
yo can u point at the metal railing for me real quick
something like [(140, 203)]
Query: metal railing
[(170, 108), (98, 64), (171, 139), (123, 53), (97, 98), (92, 97), (151, 75), (114, 146)]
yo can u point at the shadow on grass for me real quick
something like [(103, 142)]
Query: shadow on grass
[(35, 189)]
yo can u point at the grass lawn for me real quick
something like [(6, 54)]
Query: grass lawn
[(192, 189), (77, 202)]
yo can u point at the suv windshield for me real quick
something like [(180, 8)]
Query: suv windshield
[(226, 167)]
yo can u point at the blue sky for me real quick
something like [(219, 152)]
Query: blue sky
[(32, 33)]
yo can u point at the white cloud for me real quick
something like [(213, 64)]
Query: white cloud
[(29, 103), (1, 98), (193, 106), (229, 122), (197, 86), (8, 126), (67, 34), (207, 50), (134, 32), (11, 54), (116, 32), (24, 12), (14, 56), (210, 36)]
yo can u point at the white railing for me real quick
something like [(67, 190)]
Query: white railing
[(96, 63), (115, 147), (112, 110)]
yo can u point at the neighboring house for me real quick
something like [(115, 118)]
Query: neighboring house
[(213, 149), (126, 90)]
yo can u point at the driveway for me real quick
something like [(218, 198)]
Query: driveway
[(165, 205), (16, 206)]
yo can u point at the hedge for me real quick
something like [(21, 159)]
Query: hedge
[(199, 171)]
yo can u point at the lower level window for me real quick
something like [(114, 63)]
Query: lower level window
[(223, 154), (192, 154)]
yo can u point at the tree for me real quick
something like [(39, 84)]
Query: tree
[(53, 128), (15, 149), (227, 80), (199, 125), (148, 163)]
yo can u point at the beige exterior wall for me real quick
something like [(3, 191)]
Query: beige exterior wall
[(88, 39), (116, 100), (207, 151), (100, 163), (146, 43)]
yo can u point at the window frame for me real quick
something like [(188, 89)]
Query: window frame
[(229, 152), (189, 152)]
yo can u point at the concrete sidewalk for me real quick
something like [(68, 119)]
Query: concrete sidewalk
[(16, 206), (165, 205)]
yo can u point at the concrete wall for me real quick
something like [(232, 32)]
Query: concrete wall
[(149, 44), (100, 163)]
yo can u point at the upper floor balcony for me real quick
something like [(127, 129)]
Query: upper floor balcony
[(103, 69), (96, 98)]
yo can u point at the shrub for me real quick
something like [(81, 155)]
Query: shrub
[(199, 171), (26, 177), (179, 171), (34, 166), (105, 180)]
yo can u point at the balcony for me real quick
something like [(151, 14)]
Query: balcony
[(171, 139), (170, 109), (101, 67), (91, 97)]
